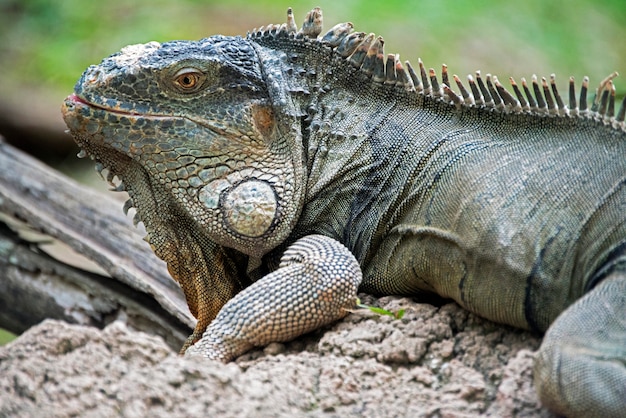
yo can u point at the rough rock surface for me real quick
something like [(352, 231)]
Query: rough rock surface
[(434, 362)]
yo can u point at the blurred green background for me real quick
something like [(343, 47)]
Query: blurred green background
[(50, 42), (46, 44)]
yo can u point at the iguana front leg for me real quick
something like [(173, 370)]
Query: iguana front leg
[(315, 284), (580, 369)]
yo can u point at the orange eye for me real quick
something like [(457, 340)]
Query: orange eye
[(188, 79)]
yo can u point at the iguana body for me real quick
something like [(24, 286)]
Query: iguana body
[(364, 173)]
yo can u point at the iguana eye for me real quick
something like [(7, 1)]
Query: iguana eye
[(188, 80)]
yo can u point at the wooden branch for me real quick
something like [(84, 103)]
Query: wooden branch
[(34, 285)]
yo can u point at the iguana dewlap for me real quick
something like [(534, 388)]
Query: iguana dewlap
[(361, 172)]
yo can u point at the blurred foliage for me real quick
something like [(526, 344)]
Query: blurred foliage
[(6, 336), (49, 42)]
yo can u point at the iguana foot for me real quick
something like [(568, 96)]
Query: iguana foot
[(315, 284), (580, 369)]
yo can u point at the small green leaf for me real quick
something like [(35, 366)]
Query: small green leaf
[(381, 311)]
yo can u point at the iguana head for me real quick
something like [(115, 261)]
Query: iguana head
[(192, 128)]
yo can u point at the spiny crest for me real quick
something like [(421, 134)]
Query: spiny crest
[(365, 52)]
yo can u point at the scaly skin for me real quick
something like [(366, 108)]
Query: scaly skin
[(366, 174)]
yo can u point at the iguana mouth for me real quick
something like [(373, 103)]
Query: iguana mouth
[(77, 100)]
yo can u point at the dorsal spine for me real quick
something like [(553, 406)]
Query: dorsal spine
[(366, 53)]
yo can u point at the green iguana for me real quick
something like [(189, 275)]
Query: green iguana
[(278, 173)]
